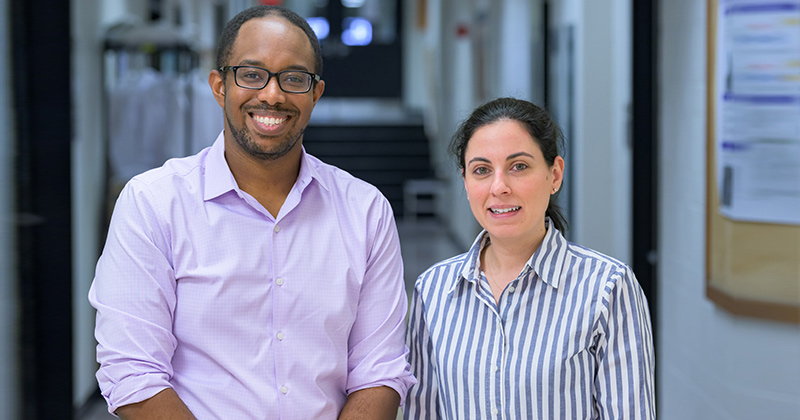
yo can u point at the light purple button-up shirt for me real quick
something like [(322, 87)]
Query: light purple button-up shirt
[(246, 315)]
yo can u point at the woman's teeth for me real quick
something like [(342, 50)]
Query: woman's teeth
[(501, 211)]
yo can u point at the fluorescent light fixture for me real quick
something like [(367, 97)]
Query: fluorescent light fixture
[(320, 26), (357, 32)]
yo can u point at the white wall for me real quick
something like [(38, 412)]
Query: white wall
[(414, 83), (711, 365), (454, 98), (512, 71), (600, 152), (599, 156), (9, 308)]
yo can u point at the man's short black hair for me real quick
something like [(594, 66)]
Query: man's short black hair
[(231, 31)]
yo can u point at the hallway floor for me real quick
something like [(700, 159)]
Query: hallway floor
[(423, 244)]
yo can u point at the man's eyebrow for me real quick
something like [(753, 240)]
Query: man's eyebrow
[(261, 64), (251, 63)]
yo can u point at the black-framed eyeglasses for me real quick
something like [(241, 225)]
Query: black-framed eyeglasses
[(290, 81)]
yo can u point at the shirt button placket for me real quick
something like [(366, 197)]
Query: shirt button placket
[(279, 335)]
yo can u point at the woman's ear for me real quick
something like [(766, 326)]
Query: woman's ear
[(558, 173)]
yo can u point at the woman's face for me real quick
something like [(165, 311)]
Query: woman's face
[(508, 181)]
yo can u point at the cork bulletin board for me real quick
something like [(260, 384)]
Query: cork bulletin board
[(752, 266)]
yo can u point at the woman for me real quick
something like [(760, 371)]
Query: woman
[(525, 325)]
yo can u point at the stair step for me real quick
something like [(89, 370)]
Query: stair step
[(402, 165), (371, 133), (318, 148), (386, 156)]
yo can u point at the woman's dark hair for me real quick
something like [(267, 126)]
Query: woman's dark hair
[(536, 120), (231, 31)]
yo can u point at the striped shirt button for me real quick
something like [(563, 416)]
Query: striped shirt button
[(494, 368), (494, 410), (511, 289)]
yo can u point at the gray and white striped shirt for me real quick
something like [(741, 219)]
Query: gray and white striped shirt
[(570, 339)]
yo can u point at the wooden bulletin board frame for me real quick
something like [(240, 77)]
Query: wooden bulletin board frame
[(752, 269)]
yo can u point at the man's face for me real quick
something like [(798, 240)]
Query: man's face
[(267, 123)]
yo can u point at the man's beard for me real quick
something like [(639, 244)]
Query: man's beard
[(245, 141)]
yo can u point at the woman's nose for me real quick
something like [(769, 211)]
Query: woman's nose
[(499, 185)]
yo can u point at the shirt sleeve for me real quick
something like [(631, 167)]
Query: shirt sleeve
[(376, 349), (624, 385), (134, 294), (423, 398)]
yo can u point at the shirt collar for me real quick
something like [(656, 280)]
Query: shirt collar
[(309, 170), (219, 178), (547, 261)]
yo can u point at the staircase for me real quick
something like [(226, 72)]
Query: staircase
[(384, 149)]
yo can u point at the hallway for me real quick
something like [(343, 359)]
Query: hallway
[(631, 83)]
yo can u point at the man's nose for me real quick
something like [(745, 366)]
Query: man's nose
[(272, 93)]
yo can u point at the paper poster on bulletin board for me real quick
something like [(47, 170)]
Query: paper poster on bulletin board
[(753, 195)]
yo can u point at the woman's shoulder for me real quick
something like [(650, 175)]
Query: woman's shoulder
[(591, 265), (586, 255)]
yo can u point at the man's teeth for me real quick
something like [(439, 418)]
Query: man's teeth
[(269, 120), (501, 211)]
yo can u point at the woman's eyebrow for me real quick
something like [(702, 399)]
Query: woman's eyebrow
[(479, 159), (518, 154)]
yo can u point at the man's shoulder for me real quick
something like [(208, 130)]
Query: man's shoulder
[(341, 181), (178, 179), (185, 168)]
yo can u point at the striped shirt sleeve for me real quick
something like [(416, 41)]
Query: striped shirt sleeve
[(623, 383), (422, 400)]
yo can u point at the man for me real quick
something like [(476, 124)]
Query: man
[(252, 281)]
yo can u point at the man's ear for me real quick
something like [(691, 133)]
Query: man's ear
[(319, 87), (217, 87)]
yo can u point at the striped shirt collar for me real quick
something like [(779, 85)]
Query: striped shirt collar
[(219, 178), (547, 261)]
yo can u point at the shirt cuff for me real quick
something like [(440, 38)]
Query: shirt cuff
[(133, 390), (399, 385)]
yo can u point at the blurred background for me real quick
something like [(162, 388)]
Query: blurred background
[(97, 91)]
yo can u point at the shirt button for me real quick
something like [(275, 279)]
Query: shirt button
[(494, 410), (511, 289), (277, 229), (280, 336), (284, 389), (279, 281), (494, 368)]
